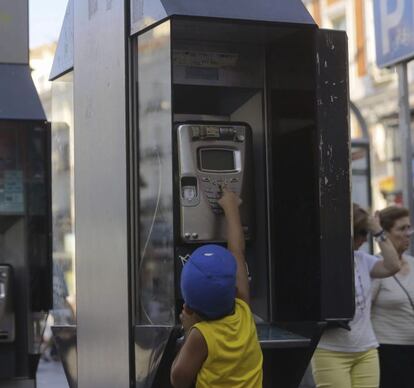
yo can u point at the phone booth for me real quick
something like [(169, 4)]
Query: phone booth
[(257, 100), (25, 226), (173, 100)]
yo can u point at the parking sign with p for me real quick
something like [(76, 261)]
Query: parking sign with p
[(394, 31)]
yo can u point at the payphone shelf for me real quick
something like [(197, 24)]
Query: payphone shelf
[(271, 336)]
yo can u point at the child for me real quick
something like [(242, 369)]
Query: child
[(221, 347)]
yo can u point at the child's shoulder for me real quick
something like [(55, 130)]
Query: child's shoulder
[(243, 307), (242, 303)]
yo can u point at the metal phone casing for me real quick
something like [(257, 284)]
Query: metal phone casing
[(202, 219)]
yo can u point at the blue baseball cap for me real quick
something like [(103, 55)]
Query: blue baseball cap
[(208, 281)]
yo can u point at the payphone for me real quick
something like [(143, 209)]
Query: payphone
[(212, 156)]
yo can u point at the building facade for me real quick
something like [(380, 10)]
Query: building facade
[(374, 91)]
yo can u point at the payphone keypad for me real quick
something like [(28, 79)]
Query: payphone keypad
[(212, 189)]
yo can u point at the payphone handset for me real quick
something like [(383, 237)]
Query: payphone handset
[(211, 156)]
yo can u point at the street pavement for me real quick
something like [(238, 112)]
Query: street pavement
[(50, 374)]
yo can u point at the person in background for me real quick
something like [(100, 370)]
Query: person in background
[(393, 306), (349, 358), (221, 348)]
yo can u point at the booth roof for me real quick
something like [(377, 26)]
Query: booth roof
[(18, 96), (285, 11), (63, 60), (144, 13)]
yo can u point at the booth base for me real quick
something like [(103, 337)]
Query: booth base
[(65, 340), (287, 350), (18, 383)]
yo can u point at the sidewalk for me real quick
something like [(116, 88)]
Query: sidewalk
[(50, 374)]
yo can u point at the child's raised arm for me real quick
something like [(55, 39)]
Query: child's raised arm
[(230, 203)]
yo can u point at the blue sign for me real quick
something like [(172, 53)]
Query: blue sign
[(394, 31)]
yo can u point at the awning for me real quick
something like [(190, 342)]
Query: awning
[(18, 96)]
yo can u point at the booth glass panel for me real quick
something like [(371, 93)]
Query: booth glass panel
[(156, 254), (37, 172), (63, 201)]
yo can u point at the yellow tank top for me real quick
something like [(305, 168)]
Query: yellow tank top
[(234, 356)]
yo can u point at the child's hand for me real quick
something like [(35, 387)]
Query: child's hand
[(229, 200), (188, 318)]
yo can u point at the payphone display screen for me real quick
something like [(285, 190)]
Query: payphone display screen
[(216, 159)]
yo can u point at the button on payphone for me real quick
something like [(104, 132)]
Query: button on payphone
[(212, 156)]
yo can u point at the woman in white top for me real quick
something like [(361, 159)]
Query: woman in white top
[(393, 309), (349, 359)]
